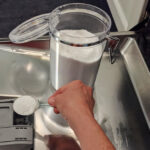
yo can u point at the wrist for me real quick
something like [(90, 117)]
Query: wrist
[(90, 134), (80, 119)]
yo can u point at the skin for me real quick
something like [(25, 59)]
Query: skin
[(75, 102)]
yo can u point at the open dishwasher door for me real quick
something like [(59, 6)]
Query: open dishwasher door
[(127, 13)]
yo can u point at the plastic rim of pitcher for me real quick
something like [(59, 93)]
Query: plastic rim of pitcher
[(46, 23)]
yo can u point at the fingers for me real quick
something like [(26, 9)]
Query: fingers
[(56, 110), (76, 88), (90, 90), (51, 101), (92, 101)]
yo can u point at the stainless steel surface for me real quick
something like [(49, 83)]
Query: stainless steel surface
[(123, 33), (139, 75), (23, 50), (24, 73), (117, 106)]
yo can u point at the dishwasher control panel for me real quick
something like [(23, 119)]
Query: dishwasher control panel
[(15, 130)]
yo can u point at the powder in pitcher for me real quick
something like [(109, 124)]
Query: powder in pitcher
[(70, 63)]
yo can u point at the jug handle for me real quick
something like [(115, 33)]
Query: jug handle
[(112, 45)]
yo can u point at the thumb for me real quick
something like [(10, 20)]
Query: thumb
[(51, 101)]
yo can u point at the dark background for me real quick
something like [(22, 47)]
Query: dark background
[(14, 12)]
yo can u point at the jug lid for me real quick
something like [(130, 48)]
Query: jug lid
[(30, 29)]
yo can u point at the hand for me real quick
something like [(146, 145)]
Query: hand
[(73, 99), (75, 102), (62, 142)]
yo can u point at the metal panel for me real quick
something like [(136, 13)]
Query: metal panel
[(127, 13), (139, 75)]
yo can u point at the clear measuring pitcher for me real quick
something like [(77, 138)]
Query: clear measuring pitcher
[(77, 40)]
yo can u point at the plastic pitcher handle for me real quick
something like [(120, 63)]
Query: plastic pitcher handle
[(112, 44)]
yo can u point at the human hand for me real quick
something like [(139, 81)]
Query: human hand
[(75, 98), (75, 102)]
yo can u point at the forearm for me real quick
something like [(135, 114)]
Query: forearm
[(90, 134)]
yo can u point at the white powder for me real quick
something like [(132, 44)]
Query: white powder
[(25, 105), (70, 63)]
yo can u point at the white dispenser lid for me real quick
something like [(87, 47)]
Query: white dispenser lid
[(30, 29), (25, 105)]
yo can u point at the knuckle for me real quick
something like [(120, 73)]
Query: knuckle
[(78, 82)]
